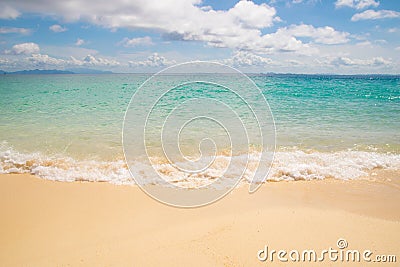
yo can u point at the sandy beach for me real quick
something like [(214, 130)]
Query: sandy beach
[(46, 223), (132, 131)]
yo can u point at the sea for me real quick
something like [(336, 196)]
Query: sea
[(69, 127)]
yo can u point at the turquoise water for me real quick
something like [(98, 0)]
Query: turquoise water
[(78, 115), (335, 113), (54, 125)]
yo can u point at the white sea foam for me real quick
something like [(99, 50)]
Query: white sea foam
[(288, 166), (301, 165), (66, 169)]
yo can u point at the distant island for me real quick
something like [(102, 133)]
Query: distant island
[(269, 74), (69, 71), (88, 71)]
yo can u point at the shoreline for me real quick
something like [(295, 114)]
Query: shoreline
[(47, 223), (292, 164)]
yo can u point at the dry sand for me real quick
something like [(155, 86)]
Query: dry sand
[(45, 223)]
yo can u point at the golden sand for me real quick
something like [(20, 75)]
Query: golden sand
[(45, 223)]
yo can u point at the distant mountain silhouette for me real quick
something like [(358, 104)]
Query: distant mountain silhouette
[(40, 72), (68, 71), (88, 71)]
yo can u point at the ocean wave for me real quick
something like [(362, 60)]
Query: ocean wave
[(288, 165), (63, 168)]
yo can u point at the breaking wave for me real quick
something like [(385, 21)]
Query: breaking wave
[(288, 165)]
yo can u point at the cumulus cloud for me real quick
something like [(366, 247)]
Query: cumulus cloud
[(170, 15), (126, 42), (239, 28), (372, 14), (250, 15), (187, 20), (79, 42), (245, 28), (345, 61), (5, 30), (243, 58), (286, 40), (24, 48), (154, 60), (8, 12), (357, 4), (90, 60), (322, 35), (46, 62), (40, 60), (57, 28)]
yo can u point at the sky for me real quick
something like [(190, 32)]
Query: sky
[(283, 36)]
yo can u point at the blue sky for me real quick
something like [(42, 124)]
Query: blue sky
[(300, 36)]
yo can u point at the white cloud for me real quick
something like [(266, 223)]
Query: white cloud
[(322, 35), (79, 42), (183, 19), (68, 51), (90, 60), (357, 4), (136, 41), (381, 41), (397, 48), (378, 61), (243, 58), (57, 28), (168, 15), (4, 61), (280, 41), (5, 30), (46, 61), (372, 14), (40, 60), (364, 43), (7, 12), (345, 61), (250, 15), (154, 60), (239, 28), (244, 28), (24, 48), (286, 40)]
